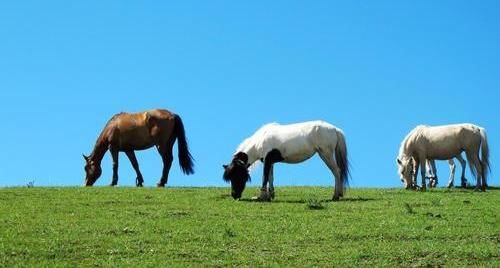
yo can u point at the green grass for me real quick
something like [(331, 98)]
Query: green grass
[(205, 227)]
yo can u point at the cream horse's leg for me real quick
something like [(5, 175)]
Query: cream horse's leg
[(473, 159), (327, 157), (416, 166), (422, 172), (428, 168), (433, 179), (451, 179), (463, 180)]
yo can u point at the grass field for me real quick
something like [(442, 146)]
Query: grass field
[(205, 227)]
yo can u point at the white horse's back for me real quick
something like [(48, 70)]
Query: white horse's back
[(294, 143), (297, 142)]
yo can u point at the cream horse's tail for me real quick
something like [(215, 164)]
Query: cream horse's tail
[(341, 158), (485, 153)]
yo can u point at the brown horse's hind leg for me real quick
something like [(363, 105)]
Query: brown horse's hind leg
[(133, 160), (166, 156), (114, 155)]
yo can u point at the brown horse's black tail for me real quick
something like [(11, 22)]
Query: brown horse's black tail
[(185, 158)]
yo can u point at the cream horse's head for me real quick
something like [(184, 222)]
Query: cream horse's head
[(406, 171)]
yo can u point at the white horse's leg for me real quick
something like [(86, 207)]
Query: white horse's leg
[(274, 156), (271, 182), (463, 180), (451, 179), (265, 180), (327, 157)]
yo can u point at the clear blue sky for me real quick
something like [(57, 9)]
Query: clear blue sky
[(375, 69)]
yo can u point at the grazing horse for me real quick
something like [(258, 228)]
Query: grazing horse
[(433, 179), (293, 143), (442, 143), (127, 132)]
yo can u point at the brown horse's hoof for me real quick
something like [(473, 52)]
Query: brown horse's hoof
[(160, 185), (335, 198)]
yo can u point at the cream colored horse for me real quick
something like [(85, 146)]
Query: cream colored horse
[(443, 143)]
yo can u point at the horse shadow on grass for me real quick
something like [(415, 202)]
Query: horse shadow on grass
[(306, 201), (460, 189)]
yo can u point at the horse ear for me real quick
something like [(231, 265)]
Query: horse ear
[(85, 157), (399, 161), (224, 166), (242, 156)]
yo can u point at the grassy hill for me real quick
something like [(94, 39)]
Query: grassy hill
[(205, 227)]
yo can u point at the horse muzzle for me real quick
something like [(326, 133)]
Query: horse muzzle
[(235, 195)]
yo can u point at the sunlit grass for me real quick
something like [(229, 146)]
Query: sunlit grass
[(104, 226)]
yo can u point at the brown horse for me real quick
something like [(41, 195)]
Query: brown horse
[(126, 132)]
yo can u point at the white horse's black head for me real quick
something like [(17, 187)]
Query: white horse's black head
[(406, 171), (237, 173)]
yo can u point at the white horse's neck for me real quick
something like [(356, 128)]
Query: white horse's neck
[(248, 147)]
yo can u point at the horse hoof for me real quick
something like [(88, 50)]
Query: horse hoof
[(264, 197), (335, 198), (160, 185), (261, 199)]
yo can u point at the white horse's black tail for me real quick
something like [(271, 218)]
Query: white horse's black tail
[(485, 153), (341, 158), (185, 158)]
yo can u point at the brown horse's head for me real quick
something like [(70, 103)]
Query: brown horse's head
[(237, 173), (92, 171)]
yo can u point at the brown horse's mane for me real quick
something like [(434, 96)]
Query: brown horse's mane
[(101, 144)]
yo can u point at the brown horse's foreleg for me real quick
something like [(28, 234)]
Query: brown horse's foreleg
[(133, 160), (167, 158), (114, 155)]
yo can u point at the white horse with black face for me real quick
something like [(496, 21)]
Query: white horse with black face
[(442, 143), (292, 143)]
